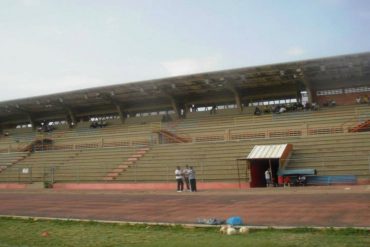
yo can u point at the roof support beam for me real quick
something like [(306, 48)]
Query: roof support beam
[(71, 115), (238, 100), (237, 97), (31, 120), (120, 111), (175, 106), (309, 90), (28, 115), (117, 105)]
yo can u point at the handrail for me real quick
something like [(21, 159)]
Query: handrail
[(205, 137)]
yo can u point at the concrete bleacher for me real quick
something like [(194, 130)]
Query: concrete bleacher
[(7, 160), (344, 154), (16, 139), (93, 164), (36, 165), (82, 154), (327, 120), (138, 132), (71, 165)]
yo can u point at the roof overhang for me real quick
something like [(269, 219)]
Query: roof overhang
[(270, 151), (281, 80), (281, 152)]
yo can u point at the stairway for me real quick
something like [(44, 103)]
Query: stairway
[(171, 137), (13, 161), (126, 164), (362, 127)]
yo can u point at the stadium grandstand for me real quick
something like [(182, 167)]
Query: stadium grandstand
[(134, 135)]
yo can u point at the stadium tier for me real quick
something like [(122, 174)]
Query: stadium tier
[(321, 141), (112, 135)]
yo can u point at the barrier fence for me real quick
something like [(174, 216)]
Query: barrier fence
[(154, 139)]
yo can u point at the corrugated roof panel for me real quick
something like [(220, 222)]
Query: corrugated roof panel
[(267, 151)]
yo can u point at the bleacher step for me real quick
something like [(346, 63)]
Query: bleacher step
[(123, 166), (136, 156)]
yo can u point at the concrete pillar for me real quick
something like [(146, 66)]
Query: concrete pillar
[(120, 112)]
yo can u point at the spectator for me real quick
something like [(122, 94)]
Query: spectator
[(267, 109), (185, 174), (314, 107), (307, 106), (98, 124), (299, 106), (365, 99), (193, 182), (213, 110), (194, 108), (282, 109), (94, 125), (276, 109), (301, 180), (332, 103), (257, 111), (179, 179), (358, 100), (102, 123), (268, 178)]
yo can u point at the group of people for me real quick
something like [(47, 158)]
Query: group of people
[(98, 124), (277, 109), (187, 176), (362, 100), (46, 128)]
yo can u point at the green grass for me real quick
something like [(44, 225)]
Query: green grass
[(28, 233)]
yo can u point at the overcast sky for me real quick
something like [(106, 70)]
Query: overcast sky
[(59, 45)]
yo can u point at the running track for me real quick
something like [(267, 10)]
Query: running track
[(332, 207)]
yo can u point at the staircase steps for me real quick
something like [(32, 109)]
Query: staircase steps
[(126, 164)]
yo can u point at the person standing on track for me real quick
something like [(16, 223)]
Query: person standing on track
[(185, 173), (179, 179), (193, 182)]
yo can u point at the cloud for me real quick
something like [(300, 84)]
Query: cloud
[(191, 65), (295, 51)]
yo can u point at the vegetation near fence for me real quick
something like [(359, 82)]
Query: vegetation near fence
[(29, 232)]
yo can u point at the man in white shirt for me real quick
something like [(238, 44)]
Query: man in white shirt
[(185, 173), (179, 179), (193, 182), (268, 178)]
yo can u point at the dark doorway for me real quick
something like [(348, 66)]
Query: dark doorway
[(258, 168)]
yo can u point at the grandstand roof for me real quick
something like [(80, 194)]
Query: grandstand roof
[(281, 80)]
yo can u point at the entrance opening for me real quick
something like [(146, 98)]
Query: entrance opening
[(258, 168)]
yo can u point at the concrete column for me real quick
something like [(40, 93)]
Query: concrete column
[(120, 113), (175, 107)]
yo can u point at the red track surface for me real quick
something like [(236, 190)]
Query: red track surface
[(338, 206)]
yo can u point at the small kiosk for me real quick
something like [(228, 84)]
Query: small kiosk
[(267, 157)]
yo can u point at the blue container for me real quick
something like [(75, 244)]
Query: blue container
[(235, 221)]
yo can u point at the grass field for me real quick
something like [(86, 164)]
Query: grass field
[(29, 232)]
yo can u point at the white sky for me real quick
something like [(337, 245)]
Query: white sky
[(61, 45)]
